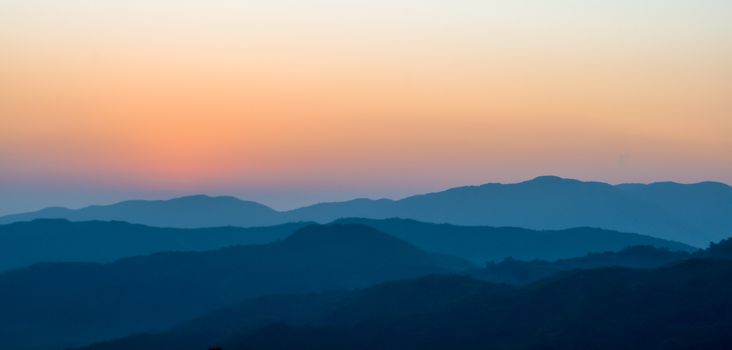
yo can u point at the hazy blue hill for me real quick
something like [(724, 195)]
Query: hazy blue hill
[(547, 202), (521, 272), (187, 212), (481, 243), (361, 207), (57, 240), (555, 203), (694, 214), (706, 206), (71, 304)]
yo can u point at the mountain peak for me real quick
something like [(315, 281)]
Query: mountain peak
[(222, 202), (205, 198), (332, 233), (346, 242), (550, 179)]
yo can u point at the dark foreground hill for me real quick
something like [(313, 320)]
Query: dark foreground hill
[(55, 305), (55, 240), (520, 272), (683, 306), (720, 250), (402, 297), (442, 311), (694, 214)]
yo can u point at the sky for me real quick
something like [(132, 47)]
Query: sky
[(290, 102)]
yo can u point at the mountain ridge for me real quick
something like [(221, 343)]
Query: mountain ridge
[(72, 304), (61, 240), (695, 214), (596, 308)]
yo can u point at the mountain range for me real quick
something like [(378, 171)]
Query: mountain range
[(71, 304), (680, 305), (601, 309), (59, 240), (303, 279), (695, 214)]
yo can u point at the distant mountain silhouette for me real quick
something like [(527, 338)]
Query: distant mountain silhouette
[(57, 240), (71, 304), (695, 214), (521, 272), (705, 206), (184, 212), (684, 306)]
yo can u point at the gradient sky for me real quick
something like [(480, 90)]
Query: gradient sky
[(291, 102)]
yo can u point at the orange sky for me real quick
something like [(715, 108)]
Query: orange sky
[(331, 99)]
